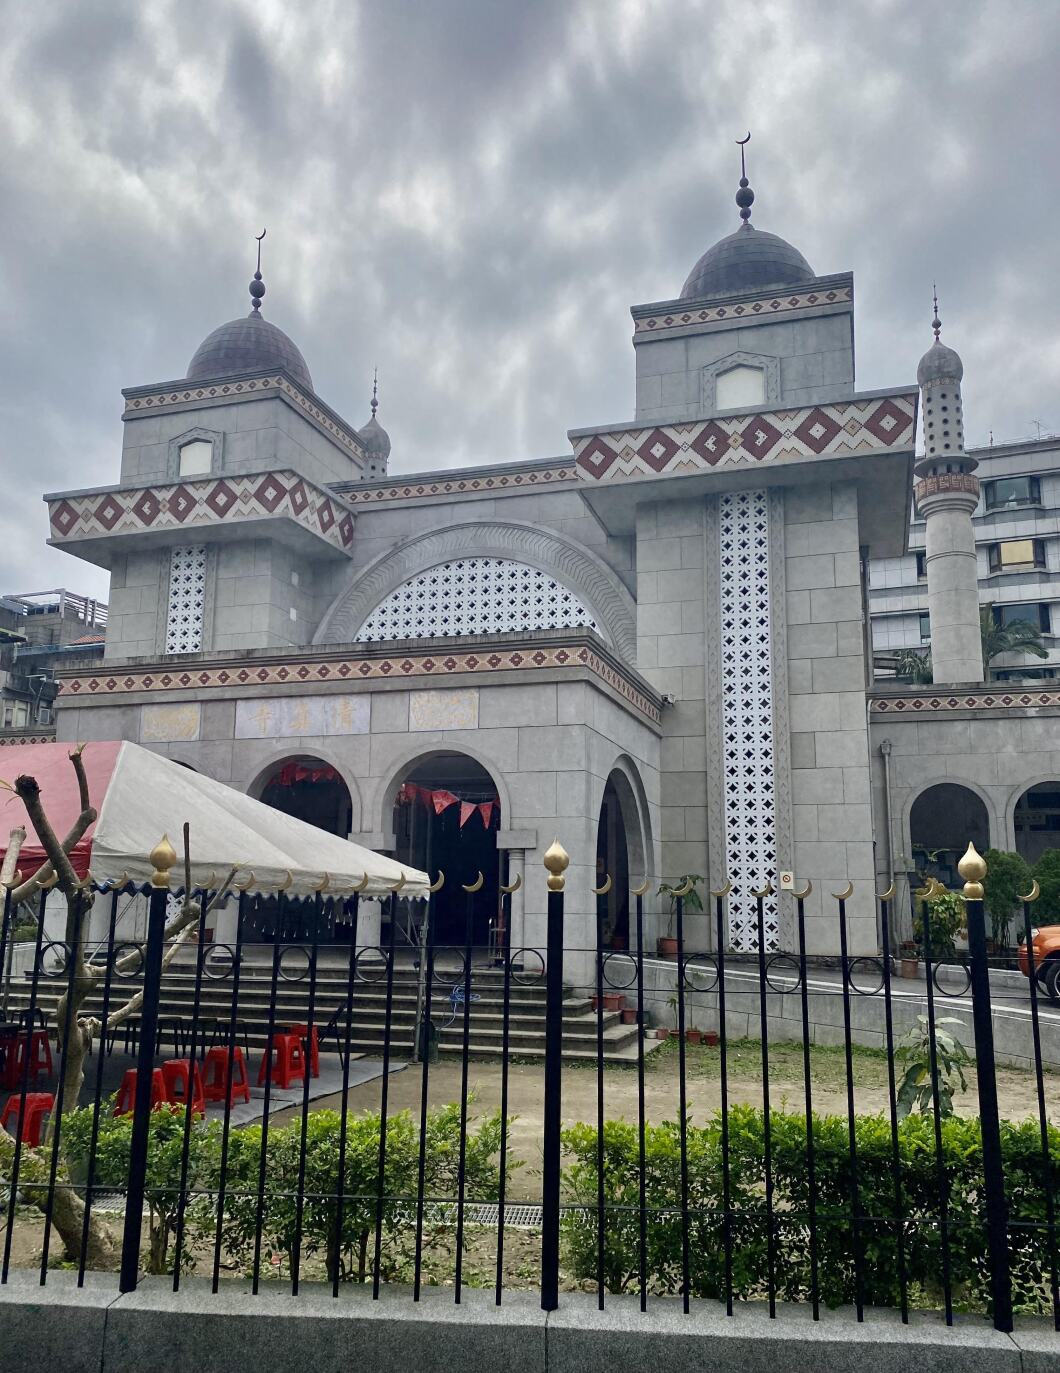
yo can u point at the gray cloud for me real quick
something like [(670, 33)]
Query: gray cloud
[(472, 192)]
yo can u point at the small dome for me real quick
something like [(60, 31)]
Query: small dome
[(248, 345), (939, 363), (375, 440), (743, 261)]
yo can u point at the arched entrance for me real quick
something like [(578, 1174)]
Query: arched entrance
[(1037, 820), (446, 816), (310, 790), (620, 852), (942, 822)]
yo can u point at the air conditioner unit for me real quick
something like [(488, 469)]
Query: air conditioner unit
[(44, 715)]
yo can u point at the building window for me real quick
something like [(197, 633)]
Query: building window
[(1036, 612), (195, 458), (16, 714), (739, 387), (1017, 555), (1009, 493), (475, 596), (925, 628), (921, 565), (187, 599)]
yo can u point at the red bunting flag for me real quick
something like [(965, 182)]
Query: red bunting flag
[(442, 800), (486, 811), (467, 810)]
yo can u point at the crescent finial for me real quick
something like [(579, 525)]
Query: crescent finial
[(1033, 894), (473, 886), (438, 883), (846, 894), (605, 888), (515, 885), (642, 890), (722, 891)]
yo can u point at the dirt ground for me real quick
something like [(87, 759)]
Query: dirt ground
[(1016, 1091)]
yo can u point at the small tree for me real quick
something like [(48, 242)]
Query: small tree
[(693, 900), (1018, 636), (914, 664), (946, 919), (1046, 873), (916, 1091), (1008, 876)]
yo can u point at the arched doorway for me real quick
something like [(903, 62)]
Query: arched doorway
[(942, 822), (1037, 820), (446, 816), (310, 790), (621, 850)]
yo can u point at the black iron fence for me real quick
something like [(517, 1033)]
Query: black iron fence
[(292, 1103)]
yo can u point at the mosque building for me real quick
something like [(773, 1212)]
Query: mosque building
[(656, 648)]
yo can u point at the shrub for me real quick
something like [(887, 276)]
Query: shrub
[(878, 1230), (1047, 873), (947, 919), (1008, 876)]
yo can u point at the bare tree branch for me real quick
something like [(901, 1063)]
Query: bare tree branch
[(15, 840)]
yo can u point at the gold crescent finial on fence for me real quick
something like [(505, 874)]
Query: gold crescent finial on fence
[(47, 883), (246, 886), (724, 890), (471, 887), (438, 883), (400, 882), (846, 894), (683, 891), (515, 885), (604, 888), (1033, 894), (888, 894), (642, 890), (924, 891), (287, 882), (802, 895), (323, 884), (767, 890), (361, 885)]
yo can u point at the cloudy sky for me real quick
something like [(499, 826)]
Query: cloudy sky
[(471, 193)]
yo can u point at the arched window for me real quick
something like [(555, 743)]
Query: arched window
[(475, 596), (740, 386)]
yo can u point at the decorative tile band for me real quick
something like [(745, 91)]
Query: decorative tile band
[(943, 482), (247, 389), (454, 486), (13, 740), (858, 426), (191, 504), (1007, 700), (172, 677), (680, 318)]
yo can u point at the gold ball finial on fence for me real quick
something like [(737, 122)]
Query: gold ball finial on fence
[(162, 857), (972, 868), (556, 860)]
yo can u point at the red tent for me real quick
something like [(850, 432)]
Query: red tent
[(50, 765)]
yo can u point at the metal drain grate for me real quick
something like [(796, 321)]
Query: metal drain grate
[(517, 1215)]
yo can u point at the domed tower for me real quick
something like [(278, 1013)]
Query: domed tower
[(946, 496), (375, 440)]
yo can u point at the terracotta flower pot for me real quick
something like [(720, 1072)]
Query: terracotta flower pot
[(662, 1032), (667, 947), (614, 1001), (711, 1038), (909, 967), (694, 1036), (629, 1015)]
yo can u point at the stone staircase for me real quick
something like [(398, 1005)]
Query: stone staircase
[(526, 1035)]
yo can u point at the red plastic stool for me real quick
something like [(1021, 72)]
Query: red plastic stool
[(39, 1052), (215, 1074), (288, 1064), (302, 1031), (181, 1079), (127, 1092), (38, 1105)]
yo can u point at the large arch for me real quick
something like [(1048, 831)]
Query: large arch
[(575, 567), (1035, 812), (308, 787), (941, 820), (282, 751), (623, 848)]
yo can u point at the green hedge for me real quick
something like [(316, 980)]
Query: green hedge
[(962, 1155)]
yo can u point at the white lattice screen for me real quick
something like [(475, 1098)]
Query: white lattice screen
[(187, 599), (747, 713), (475, 596)]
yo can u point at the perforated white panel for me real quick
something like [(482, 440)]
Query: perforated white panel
[(747, 713), (475, 596), (187, 599)]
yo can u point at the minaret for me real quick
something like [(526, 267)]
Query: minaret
[(946, 496)]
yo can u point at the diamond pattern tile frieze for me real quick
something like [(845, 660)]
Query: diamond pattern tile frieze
[(210, 501), (847, 427)]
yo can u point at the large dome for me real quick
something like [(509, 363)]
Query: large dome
[(747, 260), (251, 344), (939, 363)]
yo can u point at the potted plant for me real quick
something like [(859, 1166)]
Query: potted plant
[(946, 919), (693, 1036), (629, 1015), (693, 902), (909, 964), (711, 1038)]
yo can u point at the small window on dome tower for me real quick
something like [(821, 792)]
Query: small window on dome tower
[(196, 458), (740, 386)]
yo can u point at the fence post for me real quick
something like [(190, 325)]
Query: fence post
[(162, 858), (973, 869), (556, 861)]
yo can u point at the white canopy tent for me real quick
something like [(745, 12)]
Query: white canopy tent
[(140, 796)]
